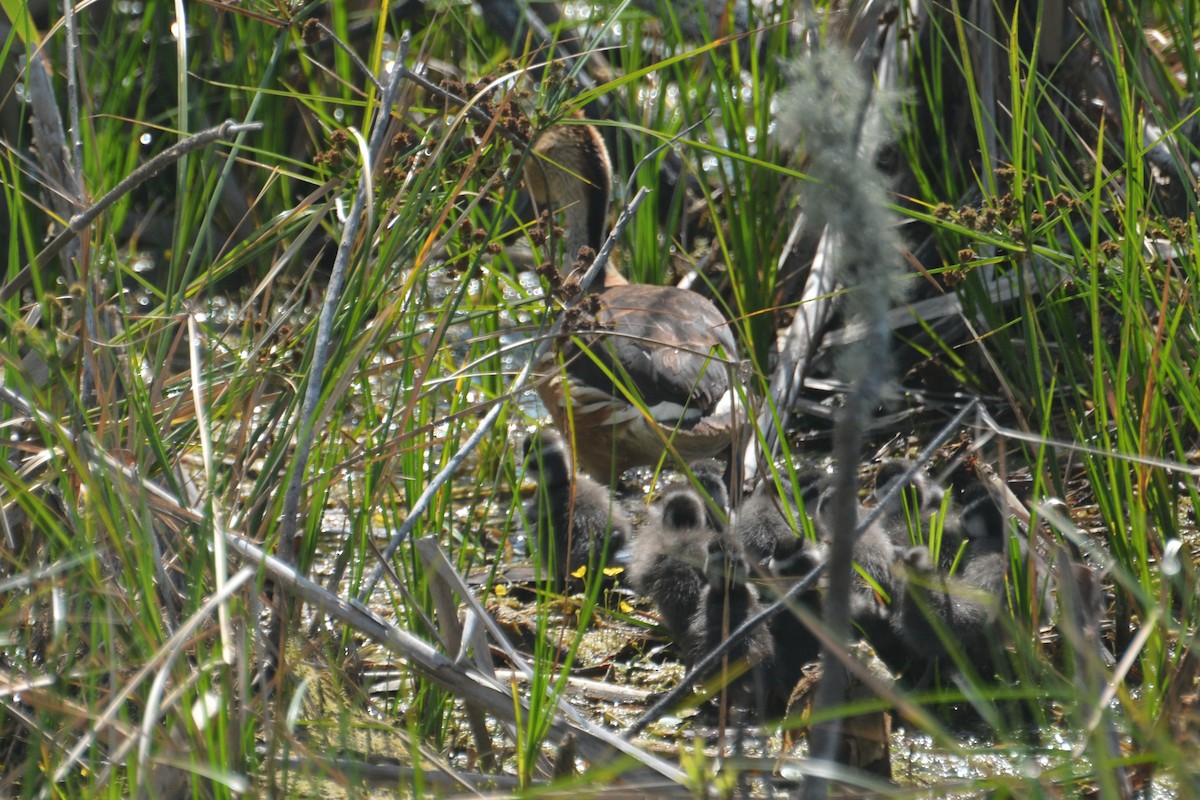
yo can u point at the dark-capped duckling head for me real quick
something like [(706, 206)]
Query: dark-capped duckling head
[(683, 511), (547, 459), (981, 520), (997, 555), (708, 476), (875, 554), (724, 567), (915, 562), (811, 485), (973, 527)]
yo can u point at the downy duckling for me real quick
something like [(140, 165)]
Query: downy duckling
[(795, 644), (874, 553), (873, 584), (727, 600), (982, 527), (931, 608), (921, 486), (667, 558), (934, 610), (994, 547), (575, 521), (913, 511), (769, 517), (965, 517), (873, 594)]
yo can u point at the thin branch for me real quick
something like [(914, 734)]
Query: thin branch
[(80, 222), (333, 296)]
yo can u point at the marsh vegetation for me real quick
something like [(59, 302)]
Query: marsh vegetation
[(265, 512)]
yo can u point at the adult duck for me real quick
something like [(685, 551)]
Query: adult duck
[(646, 370)]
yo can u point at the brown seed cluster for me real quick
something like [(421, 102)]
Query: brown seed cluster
[(1059, 201), (507, 112), (583, 259), (311, 31), (404, 145), (581, 317), (1177, 229), (338, 140), (953, 277), (549, 273), (569, 289), (1005, 210)]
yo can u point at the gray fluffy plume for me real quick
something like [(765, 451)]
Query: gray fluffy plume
[(838, 118), (840, 121)]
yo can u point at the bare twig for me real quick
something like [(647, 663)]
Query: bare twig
[(333, 295), (80, 222)]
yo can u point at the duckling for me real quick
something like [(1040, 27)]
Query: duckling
[(994, 547), (727, 600), (970, 602), (767, 520), (874, 551), (667, 558), (795, 644), (921, 485), (873, 594), (873, 585), (982, 520), (968, 518), (933, 610), (649, 373), (576, 522)]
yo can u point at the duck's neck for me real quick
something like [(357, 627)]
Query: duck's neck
[(612, 278), (569, 172)]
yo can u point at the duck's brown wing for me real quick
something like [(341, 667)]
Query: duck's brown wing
[(668, 346)]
